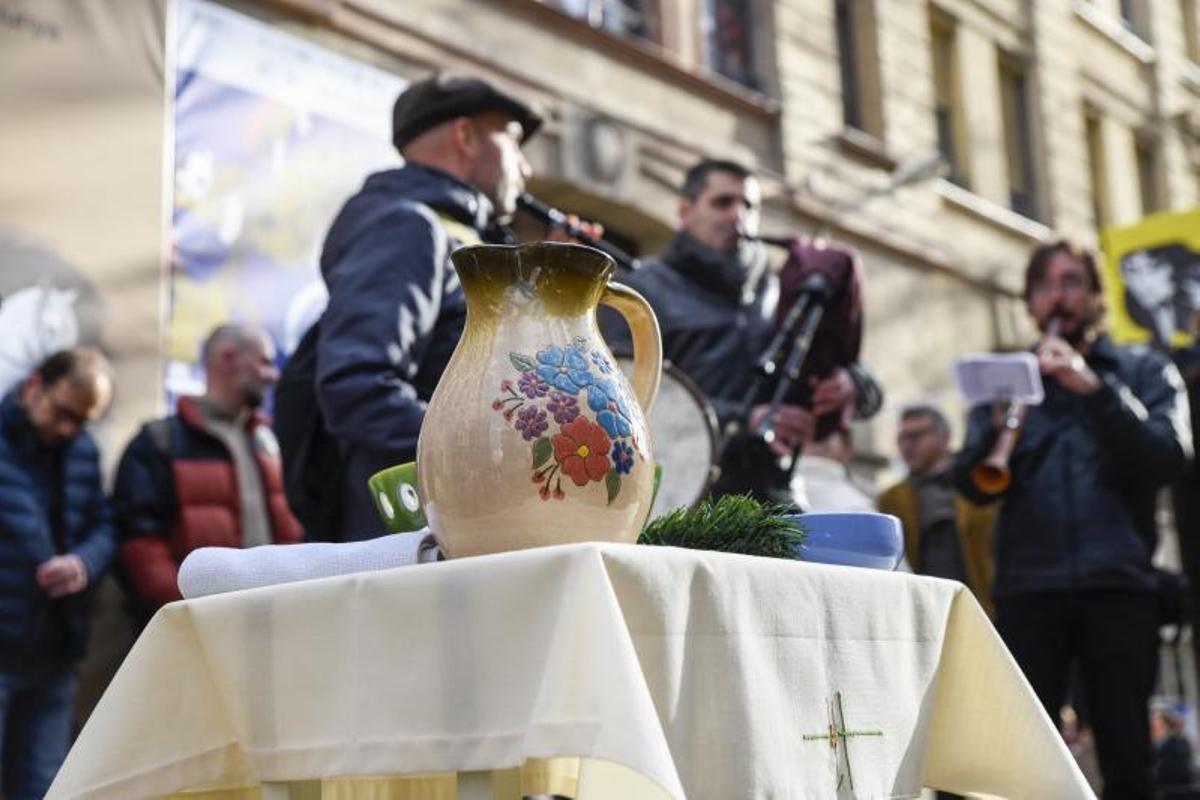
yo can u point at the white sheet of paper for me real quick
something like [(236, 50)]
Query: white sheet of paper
[(999, 377)]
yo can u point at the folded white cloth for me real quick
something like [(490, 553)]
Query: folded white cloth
[(213, 570)]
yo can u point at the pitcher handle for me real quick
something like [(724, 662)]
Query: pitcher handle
[(647, 341)]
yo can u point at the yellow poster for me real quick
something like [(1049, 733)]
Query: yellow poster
[(1152, 279)]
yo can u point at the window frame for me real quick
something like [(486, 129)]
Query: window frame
[(947, 96), (596, 15), (1020, 146), (1093, 133), (856, 33), (1147, 161), (1189, 10)]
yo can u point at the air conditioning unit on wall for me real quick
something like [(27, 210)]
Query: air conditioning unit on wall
[(599, 154)]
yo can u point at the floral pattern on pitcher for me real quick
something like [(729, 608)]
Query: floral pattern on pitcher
[(546, 405)]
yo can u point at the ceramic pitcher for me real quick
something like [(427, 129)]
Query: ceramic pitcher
[(533, 435)]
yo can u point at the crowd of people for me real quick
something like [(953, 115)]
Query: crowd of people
[(1061, 558)]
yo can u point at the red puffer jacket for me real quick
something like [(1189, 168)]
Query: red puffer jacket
[(176, 490)]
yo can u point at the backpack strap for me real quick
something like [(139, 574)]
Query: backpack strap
[(465, 234)]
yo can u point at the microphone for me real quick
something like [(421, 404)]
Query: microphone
[(784, 242), (550, 215)]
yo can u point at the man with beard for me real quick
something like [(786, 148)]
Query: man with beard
[(716, 299), (1074, 536), (208, 475), (396, 310)]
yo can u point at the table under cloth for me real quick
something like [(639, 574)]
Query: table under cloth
[(589, 671)]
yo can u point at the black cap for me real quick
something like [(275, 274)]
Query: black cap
[(439, 99)]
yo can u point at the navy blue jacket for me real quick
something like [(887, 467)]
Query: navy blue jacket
[(395, 314), (1086, 471), (36, 631)]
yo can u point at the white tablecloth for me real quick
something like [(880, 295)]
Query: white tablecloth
[(662, 671)]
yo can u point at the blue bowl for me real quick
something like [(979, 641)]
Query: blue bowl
[(864, 539)]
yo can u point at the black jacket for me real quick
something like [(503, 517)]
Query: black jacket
[(395, 314), (715, 317), (716, 314), (1086, 470)]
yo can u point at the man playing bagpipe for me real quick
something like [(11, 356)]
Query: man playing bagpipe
[(721, 308)]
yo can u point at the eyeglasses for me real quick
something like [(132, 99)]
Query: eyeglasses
[(64, 413), (60, 409), (1070, 284), (908, 437)]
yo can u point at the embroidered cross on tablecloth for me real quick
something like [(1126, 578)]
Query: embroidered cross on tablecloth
[(839, 737)]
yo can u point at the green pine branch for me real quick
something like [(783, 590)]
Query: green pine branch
[(733, 524)]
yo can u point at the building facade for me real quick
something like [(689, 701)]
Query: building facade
[(1054, 117)]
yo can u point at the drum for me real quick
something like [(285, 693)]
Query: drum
[(683, 430)]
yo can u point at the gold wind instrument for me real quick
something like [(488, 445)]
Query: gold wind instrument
[(992, 475)]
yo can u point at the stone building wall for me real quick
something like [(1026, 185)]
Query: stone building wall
[(943, 261)]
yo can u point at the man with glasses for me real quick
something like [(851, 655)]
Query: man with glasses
[(945, 535), (1074, 537), (56, 540)]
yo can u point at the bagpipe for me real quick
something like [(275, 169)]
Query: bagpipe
[(818, 329)]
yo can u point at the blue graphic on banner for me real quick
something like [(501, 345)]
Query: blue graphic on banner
[(259, 176)]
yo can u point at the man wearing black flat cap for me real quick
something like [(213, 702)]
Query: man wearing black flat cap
[(396, 310)]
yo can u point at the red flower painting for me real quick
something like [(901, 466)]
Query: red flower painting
[(582, 451)]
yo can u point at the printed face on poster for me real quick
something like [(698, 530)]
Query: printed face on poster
[(271, 135), (1152, 280)]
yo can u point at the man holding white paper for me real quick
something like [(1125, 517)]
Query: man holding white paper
[(1076, 531)]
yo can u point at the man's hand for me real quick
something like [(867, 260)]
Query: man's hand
[(834, 393), (62, 575), (1058, 360), (559, 234), (793, 427)]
